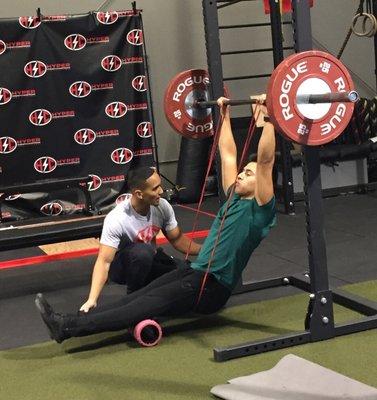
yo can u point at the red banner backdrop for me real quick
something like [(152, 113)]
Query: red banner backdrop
[(73, 102)]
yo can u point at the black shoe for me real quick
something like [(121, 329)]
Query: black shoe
[(53, 321)]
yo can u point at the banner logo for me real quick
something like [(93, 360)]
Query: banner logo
[(139, 83), (5, 96), (116, 109), (80, 89), (54, 18), (40, 117), (85, 136), (143, 152), (75, 42), (122, 155), (45, 164), (144, 129), (51, 209), (35, 69), (95, 183), (29, 141), (111, 63), (29, 22), (3, 47), (107, 18), (135, 37), (7, 145)]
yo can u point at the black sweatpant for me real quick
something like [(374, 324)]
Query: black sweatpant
[(138, 264), (173, 294)]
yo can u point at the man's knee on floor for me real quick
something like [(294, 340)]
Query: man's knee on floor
[(132, 264), (141, 252)]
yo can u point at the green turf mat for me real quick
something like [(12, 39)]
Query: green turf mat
[(108, 366)]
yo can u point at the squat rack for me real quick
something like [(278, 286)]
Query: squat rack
[(214, 61), (319, 322)]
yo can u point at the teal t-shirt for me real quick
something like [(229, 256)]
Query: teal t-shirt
[(245, 225)]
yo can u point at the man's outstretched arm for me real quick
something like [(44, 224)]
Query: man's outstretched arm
[(181, 242), (100, 274), (265, 163), (227, 148)]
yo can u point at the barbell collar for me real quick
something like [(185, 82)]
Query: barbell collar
[(335, 97)]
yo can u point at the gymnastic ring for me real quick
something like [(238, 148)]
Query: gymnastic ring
[(366, 17), (354, 22), (147, 333), (373, 28)]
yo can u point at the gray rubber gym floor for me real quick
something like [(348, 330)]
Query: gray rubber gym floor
[(351, 234)]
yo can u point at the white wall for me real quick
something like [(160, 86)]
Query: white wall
[(175, 42), (331, 20)]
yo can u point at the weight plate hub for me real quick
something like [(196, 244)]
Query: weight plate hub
[(310, 72), (183, 90)]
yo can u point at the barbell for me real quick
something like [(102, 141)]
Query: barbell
[(310, 99), (300, 99)]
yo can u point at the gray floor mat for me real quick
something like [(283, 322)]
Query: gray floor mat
[(294, 378)]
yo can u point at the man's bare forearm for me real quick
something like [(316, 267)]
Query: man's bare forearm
[(227, 145), (183, 244), (266, 147), (99, 278)]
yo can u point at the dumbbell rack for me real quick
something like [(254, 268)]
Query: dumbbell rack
[(319, 323), (214, 61)]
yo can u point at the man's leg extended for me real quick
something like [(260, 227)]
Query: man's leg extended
[(174, 293)]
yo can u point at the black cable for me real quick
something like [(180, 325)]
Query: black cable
[(368, 7)]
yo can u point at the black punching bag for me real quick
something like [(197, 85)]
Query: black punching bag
[(192, 168)]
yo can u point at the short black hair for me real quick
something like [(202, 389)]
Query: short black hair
[(251, 158), (137, 177)]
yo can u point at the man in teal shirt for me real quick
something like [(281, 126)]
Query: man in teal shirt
[(248, 218), (251, 212)]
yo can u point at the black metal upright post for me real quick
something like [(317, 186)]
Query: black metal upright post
[(213, 48), (215, 69), (375, 40), (322, 320), (284, 145)]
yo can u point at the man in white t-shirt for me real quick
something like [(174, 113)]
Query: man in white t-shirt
[(127, 252)]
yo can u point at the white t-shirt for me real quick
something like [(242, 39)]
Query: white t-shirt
[(123, 225)]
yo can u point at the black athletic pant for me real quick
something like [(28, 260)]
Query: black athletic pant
[(173, 294), (138, 264)]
